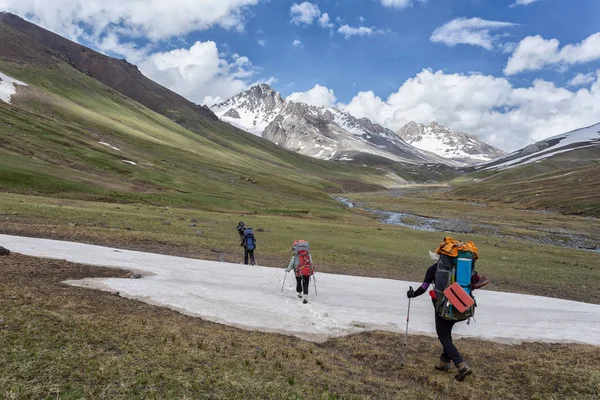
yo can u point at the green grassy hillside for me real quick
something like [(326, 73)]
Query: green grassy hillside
[(50, 144), (568, 183)]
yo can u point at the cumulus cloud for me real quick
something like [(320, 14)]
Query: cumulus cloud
[(400, 3), (304, 13), (199, 73), (490, 107), (153, 19), (583, 79), (317, 96), (350, 31), (534, 53), (296, 42), (473, 31), (325, 22), (523, 2)]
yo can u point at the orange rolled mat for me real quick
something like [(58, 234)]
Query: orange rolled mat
[(458, 297)]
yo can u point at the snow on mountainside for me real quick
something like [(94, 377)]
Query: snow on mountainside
[(448, 143), (7, 87), (577, 139), (320, 132), (252, 110)]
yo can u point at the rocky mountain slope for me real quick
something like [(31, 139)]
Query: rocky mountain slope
[(320, 132), (448, 143)]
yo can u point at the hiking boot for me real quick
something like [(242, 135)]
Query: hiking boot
[(299, 295), (443, 366), (463, 371), (305, 301)]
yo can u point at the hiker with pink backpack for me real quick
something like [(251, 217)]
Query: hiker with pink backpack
[(303, 266)]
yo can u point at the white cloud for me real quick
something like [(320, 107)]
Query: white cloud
[(199, 73), (534, 53), (473, 31), (325, 22), (487, 106), (584, 79), (400, 3), (350, 31), (523, 2), (296, 42), (153, 19), (262, 42), (304, 13), (317, 96)]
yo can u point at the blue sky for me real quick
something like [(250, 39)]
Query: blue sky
[(510, 73)]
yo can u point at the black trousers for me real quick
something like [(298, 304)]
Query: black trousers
[(302, 283), (249, 253), (444, 333)]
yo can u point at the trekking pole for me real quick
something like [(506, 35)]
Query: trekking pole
[(315, 280), (406, 333), (284, 276)]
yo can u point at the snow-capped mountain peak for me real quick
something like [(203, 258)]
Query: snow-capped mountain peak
[(447, 143), (320, 132), (251, 110)]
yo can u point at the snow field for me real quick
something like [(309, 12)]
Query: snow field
[(7, 87), (251, 298)]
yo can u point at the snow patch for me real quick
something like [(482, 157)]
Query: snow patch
[(7, 87), (129, 162), (251, 298), (109, 145)]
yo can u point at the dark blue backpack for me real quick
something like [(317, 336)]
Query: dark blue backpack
[(250, 245)]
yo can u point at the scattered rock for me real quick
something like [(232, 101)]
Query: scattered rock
[(135, 276), (379, 229), (199, 232), (194, 220), (127, 228), (215, 250), (192, 225), (72, 224), (166, 223), (260, 230), (181, 219), (267, 230), (4, 252)]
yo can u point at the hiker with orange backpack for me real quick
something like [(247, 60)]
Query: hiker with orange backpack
[(454, 280), (303, 266)]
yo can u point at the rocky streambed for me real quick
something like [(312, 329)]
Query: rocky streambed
[(557, 237)]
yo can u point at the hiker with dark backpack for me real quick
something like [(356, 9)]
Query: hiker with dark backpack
[(303, 266), (241, 227), (249, 244), (454, 279)]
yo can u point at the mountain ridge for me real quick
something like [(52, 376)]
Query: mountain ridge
[(320, 132), (448, 143)]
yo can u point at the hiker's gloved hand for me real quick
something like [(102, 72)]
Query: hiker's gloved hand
[(411, 293)]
